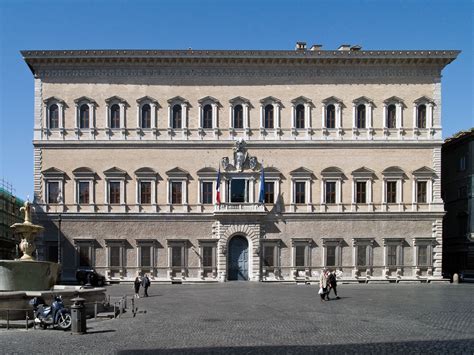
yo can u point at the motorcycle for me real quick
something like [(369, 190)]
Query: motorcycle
[(56, 314)]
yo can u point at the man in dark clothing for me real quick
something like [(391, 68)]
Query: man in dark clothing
[(145, 284), (332, 283)]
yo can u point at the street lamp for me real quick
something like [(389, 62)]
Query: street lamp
[(59, 200)]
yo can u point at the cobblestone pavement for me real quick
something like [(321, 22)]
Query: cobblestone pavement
[(256, 318)]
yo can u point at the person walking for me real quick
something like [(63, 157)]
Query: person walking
[(145, 284), (332, 283), (136, 285), (323, 285)]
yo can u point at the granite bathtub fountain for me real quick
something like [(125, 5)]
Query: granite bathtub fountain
[(25, 278)]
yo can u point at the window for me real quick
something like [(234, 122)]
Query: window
[(207, 256), (145, 256), (361, 192), (423, 255), (83, 192), (145, 192), (391, 116), (176, 256), (360, 116), (268, 119), (421, 116), (391, 191), (330, 191), (84, 255), (269, 192), (300, 187), (53, 116), (331, 255), (146, 116), (177, 114), (206, 188), (392, 255), (207, 116), (462, 163), (176, 192), (238, 116), (115, 251), (114, 192), (84, 116), (361, 255), (115, 116), (269, 256), (421, 192), (300, 116), (331, 116), (300, 255), (54, 192)]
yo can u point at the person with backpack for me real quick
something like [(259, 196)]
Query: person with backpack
[(145, 284)]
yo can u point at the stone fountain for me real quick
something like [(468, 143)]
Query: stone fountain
[(26, 273), (25, 278)]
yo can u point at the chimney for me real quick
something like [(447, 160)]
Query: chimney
[(316, 47), (344, 47), (356, 48), (300, 46)]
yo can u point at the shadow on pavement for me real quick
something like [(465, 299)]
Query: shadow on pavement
[(100, 331), (463, 346)]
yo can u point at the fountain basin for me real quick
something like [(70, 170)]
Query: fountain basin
[(27, 275)]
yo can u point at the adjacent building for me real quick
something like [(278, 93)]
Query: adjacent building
[(9, 214), (457, 188), (259, 165)]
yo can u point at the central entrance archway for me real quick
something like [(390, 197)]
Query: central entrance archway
[(238, 263)]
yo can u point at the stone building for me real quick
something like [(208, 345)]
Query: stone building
[(457, 188), (130, 146)]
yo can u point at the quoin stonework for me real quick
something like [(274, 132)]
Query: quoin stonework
[(129, 146)]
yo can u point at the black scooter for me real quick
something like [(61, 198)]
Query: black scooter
[(55, 315)]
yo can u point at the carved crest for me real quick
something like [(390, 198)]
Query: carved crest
[(241, 158)]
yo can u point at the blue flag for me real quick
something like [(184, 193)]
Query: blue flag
[(261, 198)]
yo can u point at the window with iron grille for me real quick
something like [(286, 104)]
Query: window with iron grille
[(269, 256), (361, 255), (331, 255), (145, 256), (176, 256), (84, 256), (392, 255), (207, 258), (300, 260), (423, 255), (115, 256)]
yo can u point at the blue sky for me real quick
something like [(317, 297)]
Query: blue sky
[(206, 24)]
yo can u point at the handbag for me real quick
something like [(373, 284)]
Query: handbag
[(321, 291)]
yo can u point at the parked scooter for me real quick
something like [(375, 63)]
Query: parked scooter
[(55, 315)]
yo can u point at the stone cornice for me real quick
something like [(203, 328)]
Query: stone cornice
[(39, 60), (230, 144)]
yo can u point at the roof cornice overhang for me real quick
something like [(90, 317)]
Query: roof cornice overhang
[(42, 58)]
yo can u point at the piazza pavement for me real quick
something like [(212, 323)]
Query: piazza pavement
[(261, 318)]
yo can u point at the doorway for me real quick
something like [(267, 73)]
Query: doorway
[(238, 259)]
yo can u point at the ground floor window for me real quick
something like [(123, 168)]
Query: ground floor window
[(208, 258), (177, 257), (332, 250), (85, 253)]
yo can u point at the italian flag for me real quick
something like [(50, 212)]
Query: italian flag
[(218, 187)]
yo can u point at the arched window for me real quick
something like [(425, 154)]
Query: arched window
[(331, 116), (421, 116), (115, 116), (268, 116), (177, 122), (84, 116), (207, 116), (391, 116), (299, 116), (146, 116), (53, 116), (361, 116), (238, 116)]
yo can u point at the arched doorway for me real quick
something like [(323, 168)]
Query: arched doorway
[(237, 262)]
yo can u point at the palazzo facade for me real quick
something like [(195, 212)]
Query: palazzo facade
[(130, 145)]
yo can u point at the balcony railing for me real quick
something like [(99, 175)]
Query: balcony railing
[(237, 207)]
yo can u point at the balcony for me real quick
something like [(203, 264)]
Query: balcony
[(239, 208)]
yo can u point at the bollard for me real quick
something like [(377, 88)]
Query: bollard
[(8, 319), (95, 309), (455, 279), (78, 315)]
